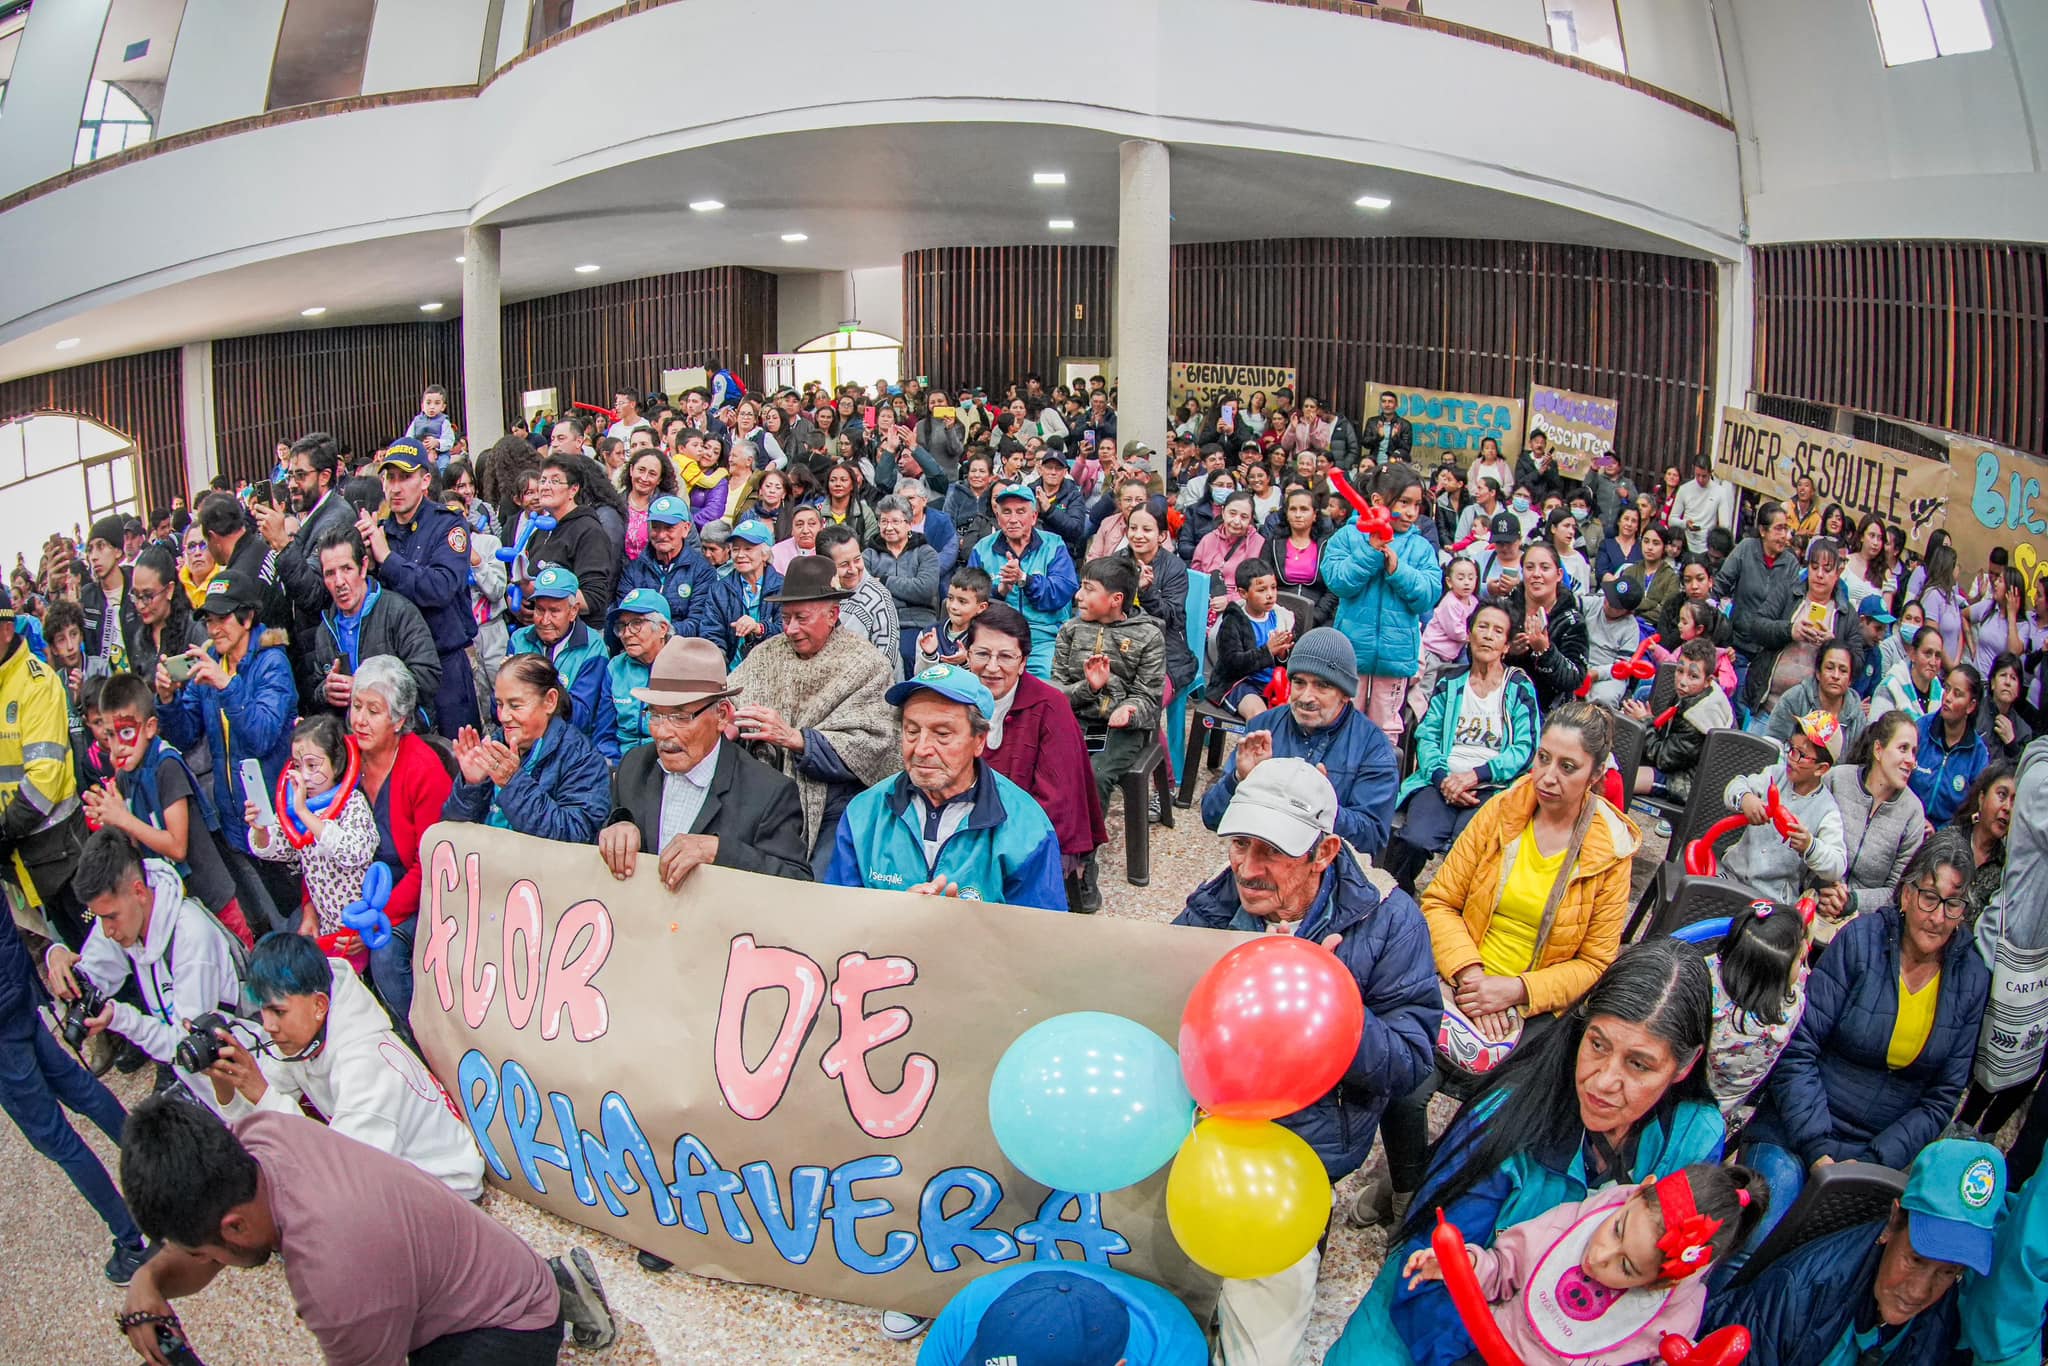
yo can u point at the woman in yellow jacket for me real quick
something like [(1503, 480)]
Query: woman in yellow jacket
[(1513, 946)]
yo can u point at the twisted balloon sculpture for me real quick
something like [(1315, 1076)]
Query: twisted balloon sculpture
[(365, 915)]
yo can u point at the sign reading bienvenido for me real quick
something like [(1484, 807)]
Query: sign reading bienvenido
[(1204, 383)]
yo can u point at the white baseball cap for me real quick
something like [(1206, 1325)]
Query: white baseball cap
[(1288, 803)]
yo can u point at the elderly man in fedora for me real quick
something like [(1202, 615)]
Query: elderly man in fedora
[(690, 795), (816, 703), (949, 824)]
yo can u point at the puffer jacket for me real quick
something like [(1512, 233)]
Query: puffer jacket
[(685, 581), (563, 791), (1355, 754), (1833, 1094), (1799, 1308), (1382, 613), (1585, 936), (1438, 734), (1005, 851), (727, 603), (1758, 594), (1386, 949)]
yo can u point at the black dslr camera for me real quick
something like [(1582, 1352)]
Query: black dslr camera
[(200, 1049), (89, 1002)]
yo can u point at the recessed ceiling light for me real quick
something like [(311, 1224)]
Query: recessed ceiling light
[(1373, 201), (67, 343), (585, 269), (313, 312), (1060, 224), (460, 259), (1048, 177), (707, 205), (796, 237), (434, 307)]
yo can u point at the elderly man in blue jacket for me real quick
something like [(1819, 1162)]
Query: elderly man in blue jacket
[(1289, 874), (1319, 724), (949, 824)]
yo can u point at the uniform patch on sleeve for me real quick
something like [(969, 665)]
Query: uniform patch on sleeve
[(458, 539)]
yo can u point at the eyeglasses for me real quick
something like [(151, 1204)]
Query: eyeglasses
[(552, 481), (639, 626), (982, 659), (144, 597), (677, 719), (194, 547), (1952, 908)]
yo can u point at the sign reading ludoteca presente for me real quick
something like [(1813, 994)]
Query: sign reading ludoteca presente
[(776, 1082), (1771, 456), (1579, 426), (1205, 382), (1450, 423)]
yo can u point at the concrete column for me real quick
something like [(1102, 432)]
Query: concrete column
[(1735, 347), (483, 342), (198, 426), (1144, 263)]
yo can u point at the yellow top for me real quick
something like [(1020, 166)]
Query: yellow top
[(1509, 948), (1915, 1022)]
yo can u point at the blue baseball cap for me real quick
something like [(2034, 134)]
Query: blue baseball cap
[(753, 532), (404, 454), (668, 510), (646, 602), (1872, 606), (555, 582), (947, 680), (1053, 1318), (1022, 491), (1955, 1191)]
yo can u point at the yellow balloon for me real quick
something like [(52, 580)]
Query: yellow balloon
[(1246, 1198)]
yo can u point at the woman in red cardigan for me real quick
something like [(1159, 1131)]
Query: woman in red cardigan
[(1036, 743), (407, 786)]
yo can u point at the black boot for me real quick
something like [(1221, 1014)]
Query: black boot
[(1091, 887)]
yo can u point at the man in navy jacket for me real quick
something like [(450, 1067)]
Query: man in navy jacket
[(1290, 873)]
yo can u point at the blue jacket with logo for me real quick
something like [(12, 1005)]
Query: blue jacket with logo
[(1944, 775), (1801, 1309), (629, 729), (580, 659), (1356, 754), (1045, 597), (429, 567), (685, 581), (562, 792), (1004, 851), (728, 603), (1381, 613)]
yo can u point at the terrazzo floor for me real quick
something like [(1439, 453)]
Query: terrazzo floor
[(59, 1305)]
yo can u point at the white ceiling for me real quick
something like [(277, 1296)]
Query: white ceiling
[(863, 196)]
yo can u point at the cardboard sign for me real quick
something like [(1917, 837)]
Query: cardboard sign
[(1770, 456), (1205, 383), (1996, 497), (771, 1081), (676, 383), (1579, 426), (1450, 423)]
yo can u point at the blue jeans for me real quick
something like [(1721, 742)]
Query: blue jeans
[(1785, 1175), (391, 974), (38, 1082)]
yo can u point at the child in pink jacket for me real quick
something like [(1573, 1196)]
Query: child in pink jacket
[(1447, 632), (1601, 1281)]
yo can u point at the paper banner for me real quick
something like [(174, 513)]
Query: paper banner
[(1451, 423), (1205, 383), (676, 383), (1579, 426), (1996, 497), (1770, 455), (776, 1082)]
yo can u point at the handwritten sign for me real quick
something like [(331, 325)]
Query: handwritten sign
[(1579, 426), (1996, 497), (1450, 423), (1771, 456), (1205, 383), (776, 1082)]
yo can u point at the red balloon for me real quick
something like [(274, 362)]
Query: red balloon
[(1270, 1029), (1725, 1348), (1463, 1284)]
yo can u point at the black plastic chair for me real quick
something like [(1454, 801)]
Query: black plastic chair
[(1706, 898), (1663, 688), (1726, 755), (1304, 610), (1149, 772), (1838, 1196), (1629, 738)]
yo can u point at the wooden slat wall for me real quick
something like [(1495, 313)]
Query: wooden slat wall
[(629, 331), (1950, 334), (1478, 316), (361, 383), (989, 315), (137, 396)]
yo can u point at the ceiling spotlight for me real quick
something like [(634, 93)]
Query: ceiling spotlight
[(796, 237), (434, 307), (1048, 177), (313, 312), (1060, 224), (67, 343), (460, 259), (585, 269), (706, 205), (1373, 201)]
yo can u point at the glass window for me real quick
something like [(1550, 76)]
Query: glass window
[(13, 19), (1586, 28), (322, 46), (545, 20), (60, 471), (1921, 30), (126, 93)]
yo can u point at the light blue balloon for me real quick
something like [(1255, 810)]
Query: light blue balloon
[(1089, 1102)]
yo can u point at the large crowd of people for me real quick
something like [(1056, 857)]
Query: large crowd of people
[(914, 638)]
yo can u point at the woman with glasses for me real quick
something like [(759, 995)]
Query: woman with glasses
[(197, 566), (156, 616), (1881, 1056), (1035, 741)]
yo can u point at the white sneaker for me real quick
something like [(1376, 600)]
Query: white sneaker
[(900, 1327)]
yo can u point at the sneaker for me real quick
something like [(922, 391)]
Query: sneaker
[(1378, 1203), (1157, 810), (899, 1327), (1664, 829), (584, 1307), (126, 1261), (649, 1262)]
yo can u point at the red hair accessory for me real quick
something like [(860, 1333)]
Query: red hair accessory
[(1742, 1198), (1688, 1241)]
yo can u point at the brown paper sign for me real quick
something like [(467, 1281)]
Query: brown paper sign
[(1446, 422), (1205, 383), (1579, 426), (771, 1081), (1996, 497), (1770, 455)]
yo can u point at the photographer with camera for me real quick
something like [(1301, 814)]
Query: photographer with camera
[(146, 927), (332, 1045)]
